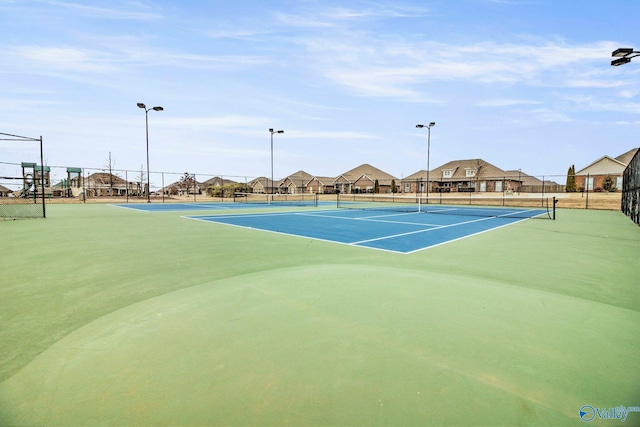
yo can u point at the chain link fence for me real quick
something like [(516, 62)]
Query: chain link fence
[(631, 189)]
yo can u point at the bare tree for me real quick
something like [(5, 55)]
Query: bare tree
[(187, 181), (479, 167), (110, 165), (140, 179)]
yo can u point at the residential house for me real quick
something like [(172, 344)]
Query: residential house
[(105, 184), (4, 191), (260, 185), (532, 184), (362, 179), (472, 175), (295, 183), (321, 185), (590, 178), (414, 183)]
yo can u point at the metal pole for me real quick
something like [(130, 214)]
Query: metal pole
[(428, 157), (162, 187), (271, 166), (146, 120), (44, 212)]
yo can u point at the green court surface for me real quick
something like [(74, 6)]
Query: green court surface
[(115, 317)]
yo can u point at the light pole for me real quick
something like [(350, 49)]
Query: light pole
[(271, 131), (146, 121), (624, 55), (429, 126)]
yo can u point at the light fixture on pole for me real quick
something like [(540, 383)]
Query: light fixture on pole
[(271, 131), (146, 120), (429, 126), (624, 55)]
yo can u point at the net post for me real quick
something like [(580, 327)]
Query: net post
[(338, 200), (554, 208)]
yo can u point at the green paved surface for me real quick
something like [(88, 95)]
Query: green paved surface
[(114, 317)]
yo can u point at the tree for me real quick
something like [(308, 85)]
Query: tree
[(110, 165), (141, 182), (571, 180), (376, 187), (187, 182), (607, 184), (479, 172), (394, 187)]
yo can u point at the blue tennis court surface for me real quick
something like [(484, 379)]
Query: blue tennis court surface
[(390, 231)]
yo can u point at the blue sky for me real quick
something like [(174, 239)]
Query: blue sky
[(521, 84)]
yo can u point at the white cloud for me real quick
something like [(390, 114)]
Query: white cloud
[(506, 102), (108, 13)]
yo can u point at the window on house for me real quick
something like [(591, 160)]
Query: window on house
[(447, 174), (470, 172), (618, 183), (588, 183), (407, 187)]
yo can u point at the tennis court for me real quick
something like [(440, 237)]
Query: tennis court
[(380, 227), (115, 316)]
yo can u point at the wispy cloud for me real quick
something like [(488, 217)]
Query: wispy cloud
[(506, 102), (132, 12), (69, 58), (397, 67)]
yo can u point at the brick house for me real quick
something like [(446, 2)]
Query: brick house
[(321, 185), (472, 175), (590, 178), (295, 183), (362, 179), (259, 185), (105, 184)]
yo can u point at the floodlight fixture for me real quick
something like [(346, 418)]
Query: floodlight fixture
[(623, 51), (141, 105), (158, 108), (620, 61), (624, 55)]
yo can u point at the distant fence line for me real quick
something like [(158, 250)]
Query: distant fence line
[(62, 181)]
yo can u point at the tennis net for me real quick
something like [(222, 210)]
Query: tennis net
[(506, 207), (277, 199)]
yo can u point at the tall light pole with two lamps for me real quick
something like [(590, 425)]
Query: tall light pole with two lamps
[(271, 131), (429, 126), (146, 118)]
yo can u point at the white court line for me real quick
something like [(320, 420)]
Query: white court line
[(464, 237), (421, 231), (372, 220)]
